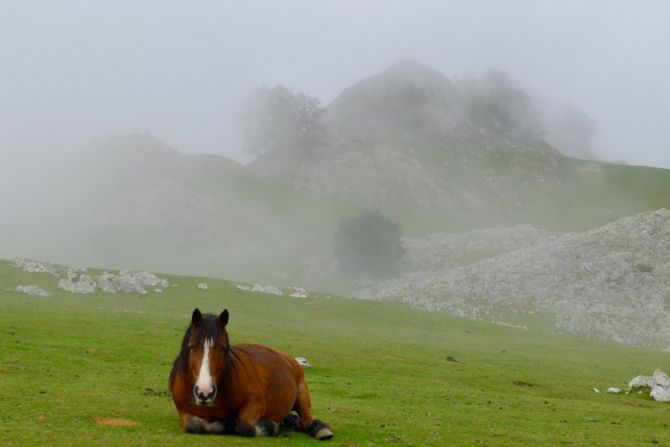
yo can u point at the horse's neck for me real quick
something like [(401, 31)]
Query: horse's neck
[(232, 368)]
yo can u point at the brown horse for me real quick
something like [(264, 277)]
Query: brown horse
[(244, 389)]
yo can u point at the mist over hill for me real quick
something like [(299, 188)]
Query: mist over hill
[(471, 149), (455, 162)]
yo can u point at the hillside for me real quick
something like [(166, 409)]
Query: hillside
[(379, 375), (437, 155), (469, 151), (612, 282), (134, 201)]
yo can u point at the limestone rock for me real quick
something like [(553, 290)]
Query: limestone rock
[(32, 289), (272, 290), (591, 282), (658, 382), (302, 361)]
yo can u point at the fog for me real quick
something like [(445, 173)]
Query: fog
[(74, 72), (488, 159)]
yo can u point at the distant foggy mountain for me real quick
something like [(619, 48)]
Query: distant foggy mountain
[(409, 137), (434, 154)]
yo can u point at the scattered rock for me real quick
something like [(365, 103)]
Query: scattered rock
[(302, 361), (441, 251), (32, 266), (243, 287), (298, 292), (272, 290), (661, 378), (84, 285), (76, 280), (596, 390), (659, 383), (608, 283), (451, 358), (613, 390), (202, 286), (32, 289), (510, 325)]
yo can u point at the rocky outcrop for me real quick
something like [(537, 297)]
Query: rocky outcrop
[(76, 280), (659, 384), (123, 282), (611, 283), (33, 266), (445, 251)]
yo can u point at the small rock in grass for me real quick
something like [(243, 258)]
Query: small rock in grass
[(32, 289), (272, 290), (202, 286), (596, 390), (613, 390), (302, 361), (659, 383)]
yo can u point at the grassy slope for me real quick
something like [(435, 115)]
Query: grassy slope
[(379, 376)]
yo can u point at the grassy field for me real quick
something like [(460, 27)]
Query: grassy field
[(379, 376)]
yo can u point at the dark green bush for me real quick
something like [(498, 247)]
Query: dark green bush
[(368, 245)]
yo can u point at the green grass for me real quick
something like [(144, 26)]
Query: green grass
[(380, 375)]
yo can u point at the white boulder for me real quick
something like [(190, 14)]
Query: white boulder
[(302, 361), (32, 289), (272, 290), (659, 383)]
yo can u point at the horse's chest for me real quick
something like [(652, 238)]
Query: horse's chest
[(212, 412)]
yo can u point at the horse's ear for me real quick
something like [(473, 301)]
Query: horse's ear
[(224, 317), (196, 317)]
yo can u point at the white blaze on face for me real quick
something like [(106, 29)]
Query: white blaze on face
[(204, 382)]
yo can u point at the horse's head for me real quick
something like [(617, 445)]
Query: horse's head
[(208, 351)]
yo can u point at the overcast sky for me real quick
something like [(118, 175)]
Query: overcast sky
[(75, 71)]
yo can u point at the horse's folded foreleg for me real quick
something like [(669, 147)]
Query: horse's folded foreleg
[(194, 424), (248, 422)]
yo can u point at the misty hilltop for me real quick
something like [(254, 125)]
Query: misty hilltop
[(434, 154), (410, 137)]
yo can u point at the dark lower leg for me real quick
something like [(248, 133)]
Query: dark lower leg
[(194, 424)]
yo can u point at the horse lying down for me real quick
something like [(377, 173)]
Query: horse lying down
[(245, 389)]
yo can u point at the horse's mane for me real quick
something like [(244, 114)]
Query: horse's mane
[(207, 328)]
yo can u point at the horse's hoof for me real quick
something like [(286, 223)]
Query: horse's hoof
[(324, 434), (292, 421), (320, 431)]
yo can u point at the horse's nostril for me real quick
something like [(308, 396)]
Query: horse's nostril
[(206, 395)]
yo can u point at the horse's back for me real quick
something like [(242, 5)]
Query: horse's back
[(267, 357)]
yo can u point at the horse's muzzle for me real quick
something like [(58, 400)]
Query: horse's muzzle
[(204, 397)]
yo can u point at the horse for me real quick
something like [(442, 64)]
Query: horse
[(243, 389)]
